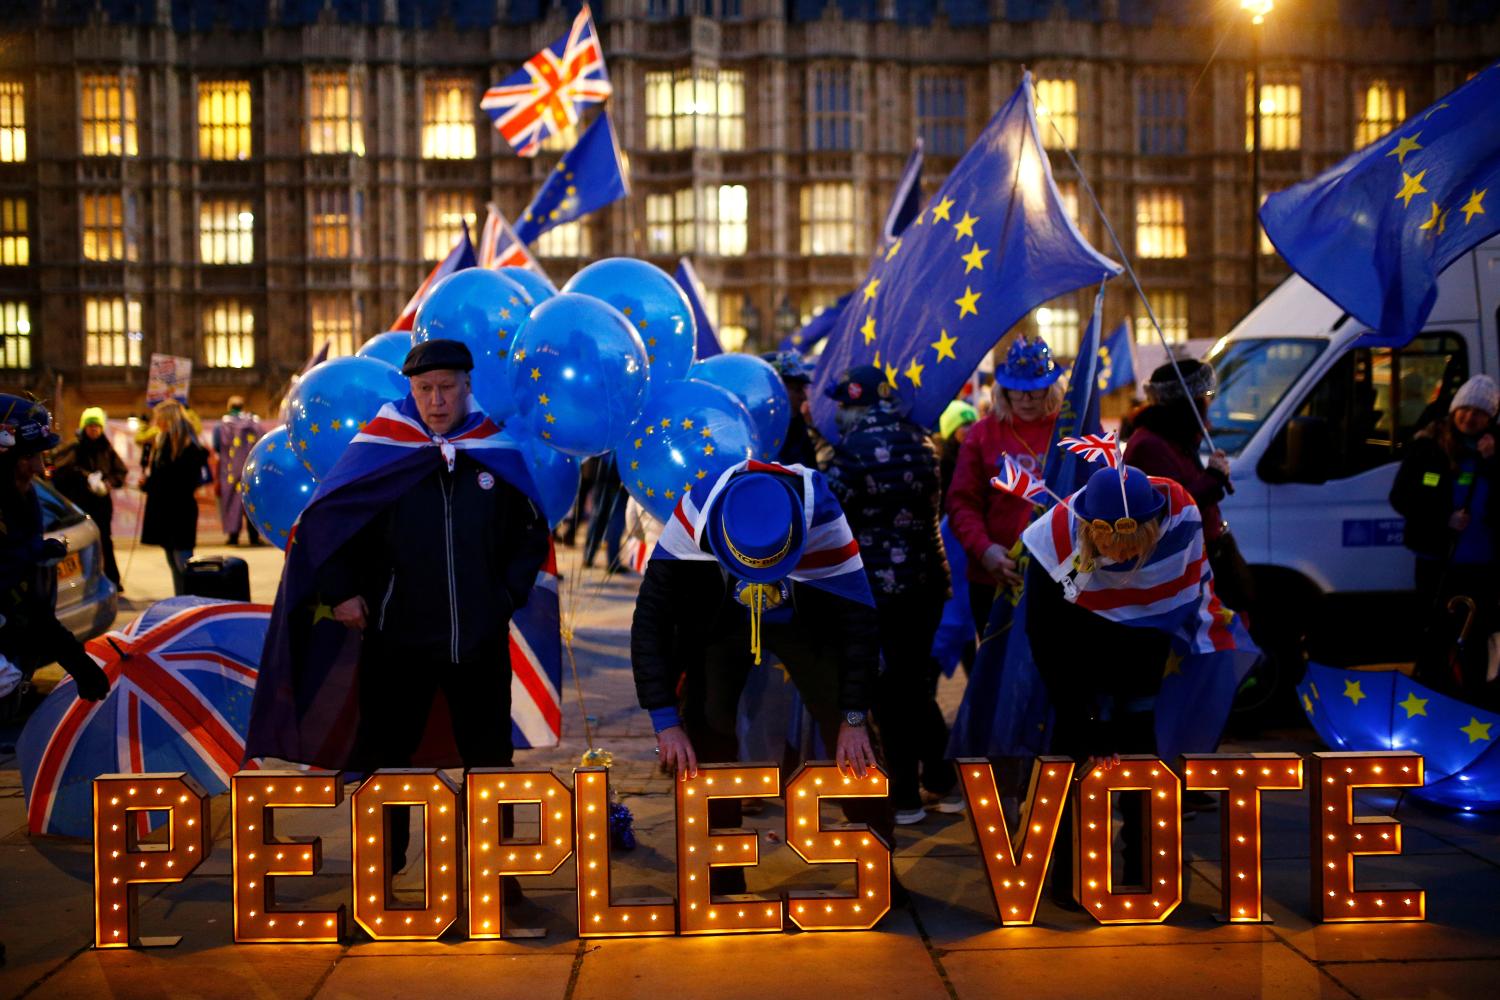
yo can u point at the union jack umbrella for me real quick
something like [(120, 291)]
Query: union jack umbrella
[(544, 96), (181, 680), (1018, 482), (1095, 448)]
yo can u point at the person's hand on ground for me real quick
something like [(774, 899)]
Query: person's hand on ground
[(676, 752), (352, 612)]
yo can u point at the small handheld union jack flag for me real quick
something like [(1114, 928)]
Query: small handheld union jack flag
[(544, 96), (1018, 482), (1095, 447)]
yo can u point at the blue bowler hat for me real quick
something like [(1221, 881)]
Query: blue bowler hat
[(1101, 499), (755, 527), (1028, 365)]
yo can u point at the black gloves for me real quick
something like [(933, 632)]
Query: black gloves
[(93, 683), (53, 548)]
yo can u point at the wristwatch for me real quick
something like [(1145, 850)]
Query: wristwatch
[(854, 719)]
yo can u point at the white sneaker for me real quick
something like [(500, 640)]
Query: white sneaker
[(943, 803), (908, 817)]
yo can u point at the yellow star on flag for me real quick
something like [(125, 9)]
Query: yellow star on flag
[(1439, 220), (974, 259), (1307, 704), (968, 303), (1474, 206), (868, 329), (1352, 691), (914, 372), (1434, 111), (1410, 187), (964, 227), (944, 346), (1408, 144), (892, 251), (872, 288), (891, 371), (1475, 730), (1414, 706), (940, 210)]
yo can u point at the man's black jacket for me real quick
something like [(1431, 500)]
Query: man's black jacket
[(443, 567), (684, 607)]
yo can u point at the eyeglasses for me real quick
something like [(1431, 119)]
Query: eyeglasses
[(1035, 395)]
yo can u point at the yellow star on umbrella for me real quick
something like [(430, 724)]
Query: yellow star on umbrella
[(1414, 706), (1353, 692), (1476, 730)]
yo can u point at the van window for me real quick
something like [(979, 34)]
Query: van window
[(1253, 376), (1374, 399)]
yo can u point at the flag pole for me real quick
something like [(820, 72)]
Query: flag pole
[(1130, 270)]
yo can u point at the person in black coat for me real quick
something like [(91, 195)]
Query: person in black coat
[(177, 467), (30, 634), (86, 470), (885, 475)]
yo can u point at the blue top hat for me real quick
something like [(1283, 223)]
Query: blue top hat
[(755, 527), (1101, 498), (1028, 365)]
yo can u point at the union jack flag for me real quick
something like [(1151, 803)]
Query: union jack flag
[(499, 246), (543, 97), (460, 257), (1095, 448), (830, 560), (181, 675), (1018, 482)]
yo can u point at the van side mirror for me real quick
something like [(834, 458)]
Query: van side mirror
[(1309, 451)]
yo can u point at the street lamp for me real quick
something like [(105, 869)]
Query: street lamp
[(1257, 9)]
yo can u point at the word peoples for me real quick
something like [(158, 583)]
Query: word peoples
[(466, 856)]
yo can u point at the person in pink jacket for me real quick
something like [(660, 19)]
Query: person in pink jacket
[(1028, 393)]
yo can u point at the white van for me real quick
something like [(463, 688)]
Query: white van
[(1315, 427)]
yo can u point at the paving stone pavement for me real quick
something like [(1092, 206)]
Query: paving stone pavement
[(945, 944)]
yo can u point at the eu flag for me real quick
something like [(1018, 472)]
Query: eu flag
[(824, 322), (708, 338), (589, 176), (1116, 361), (1374, 233), (992, 243)]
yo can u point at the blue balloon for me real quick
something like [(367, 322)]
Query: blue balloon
[(754, 383), (276, 485), (653, 303), (483, 309), (578, 375), (327, 407), (689, 433), (556, 475), (392, 347), (535, 284)]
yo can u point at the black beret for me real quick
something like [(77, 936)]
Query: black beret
[(434, 354)]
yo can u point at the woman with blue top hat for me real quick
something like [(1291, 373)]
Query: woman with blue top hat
[(759, 560)]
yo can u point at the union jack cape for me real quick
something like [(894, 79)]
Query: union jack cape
[(306, 706), (830, 559), (1172, 592), (542, 98)]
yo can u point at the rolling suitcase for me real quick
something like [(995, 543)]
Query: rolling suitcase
[(224, 577)]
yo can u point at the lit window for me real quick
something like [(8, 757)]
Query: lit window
[(335, 114), (224, 120), (703, 109), (334, 233), (571, 239), (1058, 326), (111, 333), (1160, 224), (1161, 114), (727, 312), (1067, 191), (561, 142), (448, 119), (12, 121), (332, 323), (1171, 309), (1280, 115), (833, 219), (15, 335), (109, 228), (662, 223), (15, 233), (942, 113), (1383, 108), (106, 111), (816, 300), (835, 109), (226, 232), (734, 220), (1057, 104), (444, 215), (228, 335), (1266, 246)]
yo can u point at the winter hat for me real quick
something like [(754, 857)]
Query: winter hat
[(1028, 365), (25, 426), (1479, 393), (791, 366), (1165, 386), (861, 385), (92, 415), (958, 414)]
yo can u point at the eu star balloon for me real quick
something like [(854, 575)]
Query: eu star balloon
[(755, 384), (392, 347), (556, 475), (276, 485), (482, 309), (578, 375), (331, 402), (538, 287), (653, 303), (689, 433)]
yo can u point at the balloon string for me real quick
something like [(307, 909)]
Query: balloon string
[(757, 598)]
